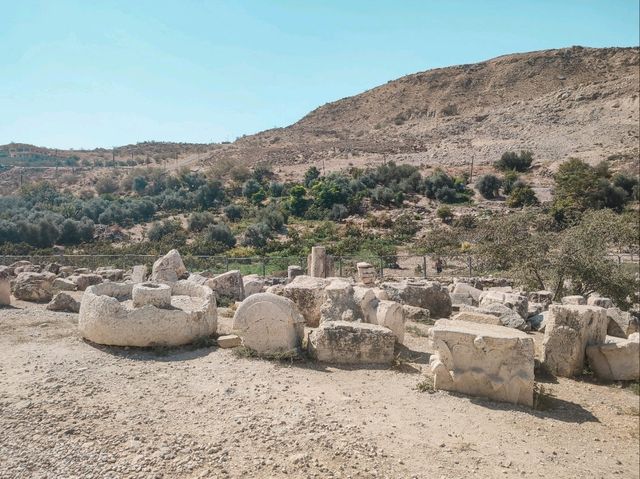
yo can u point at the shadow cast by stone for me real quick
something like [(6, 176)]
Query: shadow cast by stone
[(158, 353), (555, 408)]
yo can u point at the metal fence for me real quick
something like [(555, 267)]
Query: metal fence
[(345, 266), (400, 266)]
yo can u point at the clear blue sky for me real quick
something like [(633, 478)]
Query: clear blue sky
[(102, 73)]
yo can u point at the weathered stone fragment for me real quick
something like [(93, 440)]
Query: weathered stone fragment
[(308, 294), (351, 343), (430, 295), (517, 302), (468, 290), (569, 330), (391, 315), (366, 273), (475, 317), (139, 273), (83, 281), (575, 300), (621, 324), (253, 284), (64, 302), (37, 287), (419, 315), (5, 288), (169, 268), (293, 271), (64, 284), (339, 303), (617, 359), (229, 341), (228, 285), (483, 360), (594, 300)]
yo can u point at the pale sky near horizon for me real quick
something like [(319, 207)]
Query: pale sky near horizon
[(85, 74)]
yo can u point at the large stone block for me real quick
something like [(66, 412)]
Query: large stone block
[(308, 294), (63, 302), (595, 300), (139, 273), (349, 342), (468, 290), (483, 360), (83, 281), (574, 300), (617, 359), (269, 324), (569, 330), (253, 284), (228, 285), (37, 287), (621, 324), (169, 268), (430, 295), (391, 315), (476, 317), (320, 264), (517, 302)]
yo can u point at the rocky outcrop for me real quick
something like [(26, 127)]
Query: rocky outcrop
[(64, 302)]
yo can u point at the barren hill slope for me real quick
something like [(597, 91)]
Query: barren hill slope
[(577, 101)]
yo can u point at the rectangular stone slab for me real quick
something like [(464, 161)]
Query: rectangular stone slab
[(483, 360)]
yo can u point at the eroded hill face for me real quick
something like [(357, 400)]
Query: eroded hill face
[(579, 102), (573, 102)]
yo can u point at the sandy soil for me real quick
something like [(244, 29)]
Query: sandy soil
[(72, 409)]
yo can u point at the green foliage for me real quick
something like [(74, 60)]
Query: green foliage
[(405, 227), (445, 213), (106, 185), (297, 202), (200, 220), (508, 181), (167, 232), (444, 188), (233, 212), (310, 176), (511, 160), (522, 195), (220, 233), (489, 186)]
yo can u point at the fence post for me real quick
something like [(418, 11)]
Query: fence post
[(381, 267), (264, 267), (424, 267), (226, 263), (469, 262), (340, 265)]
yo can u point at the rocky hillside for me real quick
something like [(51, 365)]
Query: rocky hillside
[(580, 102)]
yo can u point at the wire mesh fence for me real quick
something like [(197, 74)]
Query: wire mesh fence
[(387, 267)]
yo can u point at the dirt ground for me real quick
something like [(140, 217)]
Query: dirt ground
[(72, 409)]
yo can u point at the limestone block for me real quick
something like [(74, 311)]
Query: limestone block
[(52, 268), (508, 316), (569, 330), (483, 360), (5, 288), (63, 302), (475, 317), (621, 323), (139, 273), (197, 278), (308, 294), (339, 303), (111, 274), (535, 309), (229, 341), (107, 316), (468, 290), (366, 273), (430, 295), (18, 264), (367, 303), (269, 324), (461, 298), (65, 271), (169, 268), (351, 343), (293, 271), (419, 315), (320, 265), (594, 300), (83, 281), (37, 287), (617, 359), (253, 284), (391, 315), (228, 285), (543, 296), (155, 294), (64, 284), (576, 300), (517, 302)]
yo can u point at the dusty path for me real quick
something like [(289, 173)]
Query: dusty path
[(71, 409)]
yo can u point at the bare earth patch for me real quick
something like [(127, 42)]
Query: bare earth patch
[(72, 409)]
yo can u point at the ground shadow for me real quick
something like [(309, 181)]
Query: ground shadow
[(157, 353), (9, 306), (411, 355), (549, 407)]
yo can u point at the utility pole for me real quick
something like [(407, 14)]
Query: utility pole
[(471, 171)]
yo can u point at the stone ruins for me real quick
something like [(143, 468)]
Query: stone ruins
[(481, 337)]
